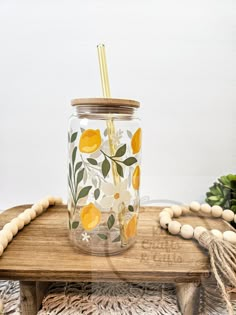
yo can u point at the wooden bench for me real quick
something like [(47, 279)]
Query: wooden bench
[(42, 253)]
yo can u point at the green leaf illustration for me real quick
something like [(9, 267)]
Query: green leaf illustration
[(130, 161), (129, 133), (102, 236), (92, 161), (96, 193), (119, 170), (131, 208), (85, 177), (69, 183), (74, 155), (110, 221), (117, 239), (78, 166), (73, 137), (121, 151), (70, 171), (75, 224), (105, 167), (80, 176), (84, 192)]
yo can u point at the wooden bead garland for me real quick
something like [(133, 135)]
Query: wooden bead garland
[(187, 231), (198, 231), (205, 208), (221, 246), (228, 215), (216, 211), (217, 233), (11, 229), (174, 227)]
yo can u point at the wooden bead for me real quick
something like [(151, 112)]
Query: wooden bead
[(3, 239), (31, 213), (165, 220), (1, 249), (38, 208), (228, 215), (170, 211), (229, 236), (44, 203), (205, 208), (58, 201), (163, 214), (177, 211), (195, 206), (174, 227), (26, 217), (19, 222), (12, 227), (8, 234), (216, 211), (186, 231), (217, 233), (51, 200), (198, 231), (185, 209)]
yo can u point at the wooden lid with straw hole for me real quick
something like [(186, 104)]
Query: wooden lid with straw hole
[(105, 101)]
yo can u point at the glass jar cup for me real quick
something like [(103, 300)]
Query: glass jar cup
[(103, 174)]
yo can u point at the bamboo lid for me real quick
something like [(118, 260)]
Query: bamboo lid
[(104, 101)]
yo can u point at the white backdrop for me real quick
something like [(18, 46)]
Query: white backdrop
[(177, 57)]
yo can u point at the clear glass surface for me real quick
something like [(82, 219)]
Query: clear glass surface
[(104, 149)]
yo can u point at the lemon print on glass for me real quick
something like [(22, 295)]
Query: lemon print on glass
[(90, 216), (136, 141), (131, 227), (136, 178), (90, 141)]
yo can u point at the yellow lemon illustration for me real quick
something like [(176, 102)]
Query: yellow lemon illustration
[(90, 141), (136, 177), (90, 216), (136, 141), (131, 227)]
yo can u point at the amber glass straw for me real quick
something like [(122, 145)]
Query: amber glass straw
[(103, 71), (110, 133), (107, 94)]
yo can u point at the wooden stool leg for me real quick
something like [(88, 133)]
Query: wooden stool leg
[(41, 289), (28, 298), (188, 295)]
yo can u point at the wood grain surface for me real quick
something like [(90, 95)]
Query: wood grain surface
[(104, 101), (42, 252)]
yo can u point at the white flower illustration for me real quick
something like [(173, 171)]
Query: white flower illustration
[(114, 195), (117, 137), (85, 237)]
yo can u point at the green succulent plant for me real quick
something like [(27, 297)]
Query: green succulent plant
[(223, 193)]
